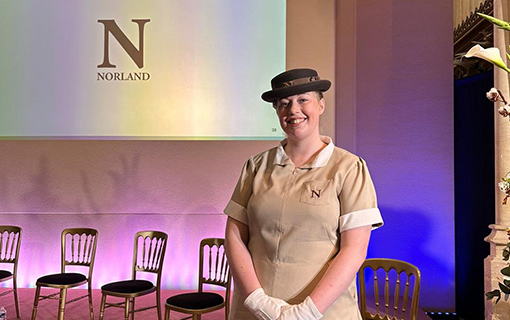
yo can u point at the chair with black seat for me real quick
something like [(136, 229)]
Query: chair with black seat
[(213, 270), (394, 282), (10, 241), (148, 257), (78, 251)]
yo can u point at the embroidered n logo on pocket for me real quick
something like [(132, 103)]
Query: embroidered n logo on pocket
[(316, 192)]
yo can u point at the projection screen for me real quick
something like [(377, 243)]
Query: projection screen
[(174, 69)]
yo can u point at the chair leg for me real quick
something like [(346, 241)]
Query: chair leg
[(158, 302), (62, 304), (132, 308), (227, 306), (101, 309), (36, 301), (90, 302), (167, 313), (16, 302), (126, 309)]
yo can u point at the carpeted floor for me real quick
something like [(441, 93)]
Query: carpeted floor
[(47, 309)]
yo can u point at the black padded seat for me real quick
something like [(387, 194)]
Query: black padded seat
[(5, 274), (128, 286), (62, 279), (195, 300)]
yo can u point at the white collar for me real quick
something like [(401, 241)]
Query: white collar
[(320, 160)]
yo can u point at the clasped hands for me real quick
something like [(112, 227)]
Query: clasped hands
[(264, 307)]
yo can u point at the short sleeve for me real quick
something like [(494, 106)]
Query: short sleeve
[(358, 201), (236, 207)]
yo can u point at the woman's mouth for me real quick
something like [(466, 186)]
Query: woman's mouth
[(296, 121)]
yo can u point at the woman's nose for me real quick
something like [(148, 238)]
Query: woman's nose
[(294, 108)]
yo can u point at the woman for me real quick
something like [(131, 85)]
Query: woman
[(300, 216)]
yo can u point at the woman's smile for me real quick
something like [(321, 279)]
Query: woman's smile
[(295, 122)]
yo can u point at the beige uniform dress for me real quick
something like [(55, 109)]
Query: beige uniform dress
[(295, 216)]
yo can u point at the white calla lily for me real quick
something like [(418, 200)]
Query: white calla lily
[(490, 54)]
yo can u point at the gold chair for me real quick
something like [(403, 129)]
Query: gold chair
[(398, 278), (10, 241), (149, 260), (78, 251), (213, 270)]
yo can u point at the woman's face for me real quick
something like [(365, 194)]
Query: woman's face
[(299, 114)]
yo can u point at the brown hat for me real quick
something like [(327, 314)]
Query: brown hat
[(295, 81)]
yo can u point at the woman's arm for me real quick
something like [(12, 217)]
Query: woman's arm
[(239, 258), (262, 306), (343, 269)]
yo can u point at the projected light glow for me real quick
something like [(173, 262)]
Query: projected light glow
[(202, 74)]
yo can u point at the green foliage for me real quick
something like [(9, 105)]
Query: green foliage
[(493, 294), (506, 271), (500, 23), (506, 254), (505, 289)]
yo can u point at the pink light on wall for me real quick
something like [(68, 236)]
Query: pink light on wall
[(40, 249)]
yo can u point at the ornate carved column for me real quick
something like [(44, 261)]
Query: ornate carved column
[(498, 237)]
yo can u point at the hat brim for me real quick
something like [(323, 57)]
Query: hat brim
[(272, 95)]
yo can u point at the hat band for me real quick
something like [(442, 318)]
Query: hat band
[(297, 81)]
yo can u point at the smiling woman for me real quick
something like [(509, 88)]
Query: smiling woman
[(300, 216)]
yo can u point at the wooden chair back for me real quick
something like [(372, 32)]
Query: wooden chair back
[(396, 289)]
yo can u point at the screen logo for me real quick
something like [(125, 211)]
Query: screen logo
[(136, 54)]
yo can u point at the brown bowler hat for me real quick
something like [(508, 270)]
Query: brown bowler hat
[(295, 81)]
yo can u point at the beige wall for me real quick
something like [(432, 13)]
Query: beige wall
[(311, 44)]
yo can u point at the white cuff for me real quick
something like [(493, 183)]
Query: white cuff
[(361, 218)]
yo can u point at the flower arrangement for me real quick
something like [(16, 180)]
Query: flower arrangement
[(493, 56)]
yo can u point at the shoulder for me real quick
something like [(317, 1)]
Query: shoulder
[(263, 158), (345, 159)]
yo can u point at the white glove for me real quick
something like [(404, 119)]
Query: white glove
[(263, 306), (306, 310)]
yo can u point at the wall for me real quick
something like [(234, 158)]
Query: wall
[(396, 63)]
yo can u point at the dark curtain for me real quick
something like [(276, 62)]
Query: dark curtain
[(474, 190)]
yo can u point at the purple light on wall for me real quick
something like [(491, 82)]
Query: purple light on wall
[(404, 130)]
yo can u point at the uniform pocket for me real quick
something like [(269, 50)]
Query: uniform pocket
[(315, 192)]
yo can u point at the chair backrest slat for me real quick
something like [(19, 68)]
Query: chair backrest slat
[(9, 255), (397, 296), (387, 293), (376, 292), (406, 297)]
